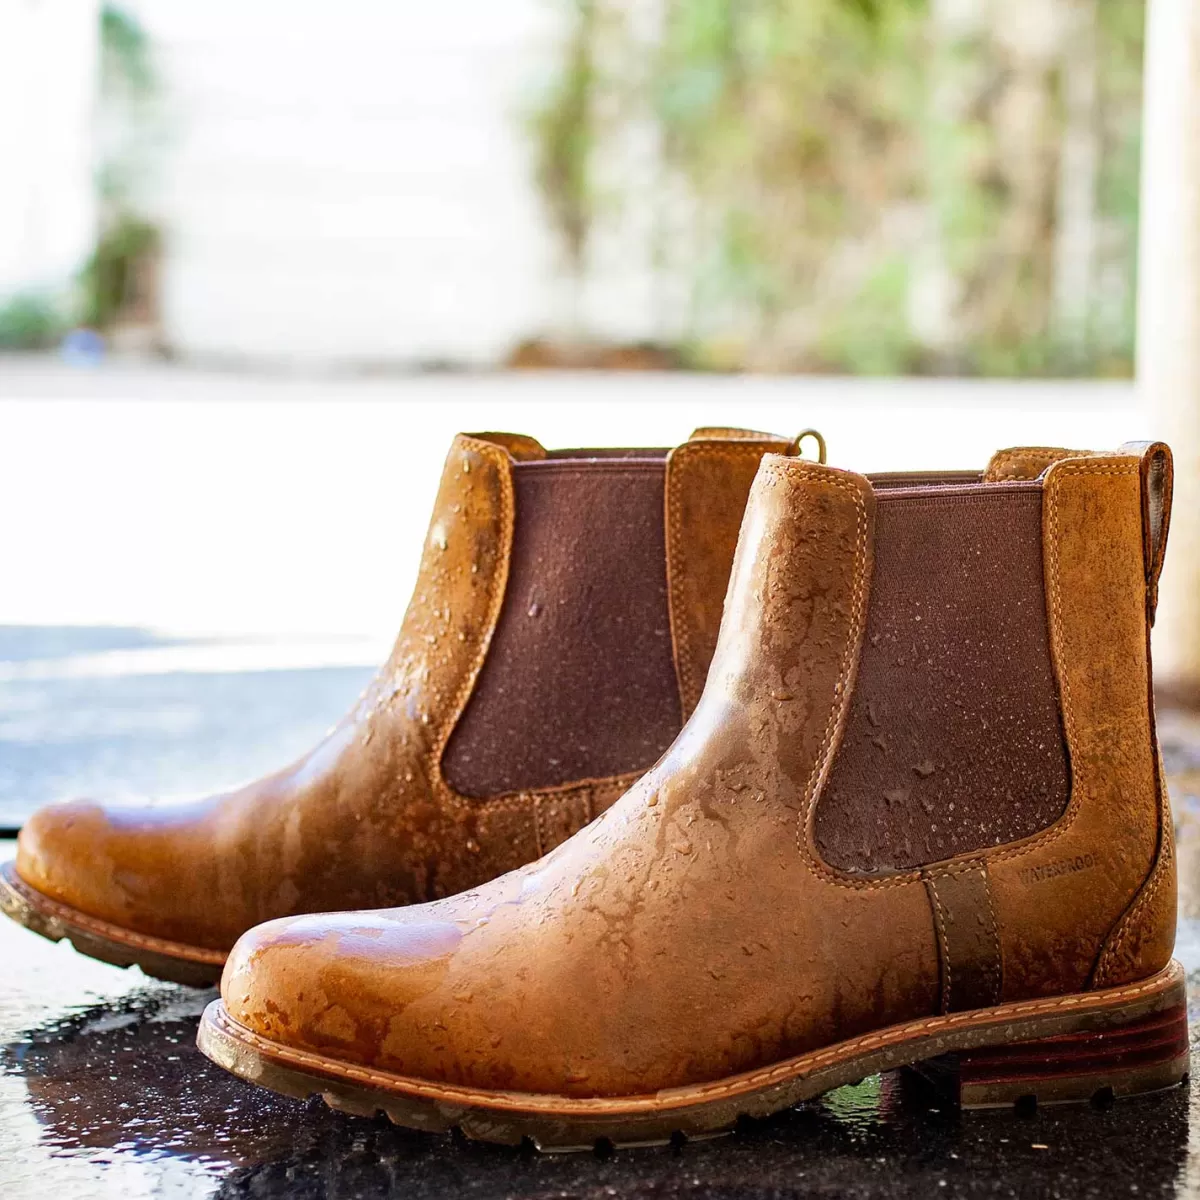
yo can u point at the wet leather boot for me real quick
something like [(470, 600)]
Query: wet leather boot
[(916, 818), (565, 613)]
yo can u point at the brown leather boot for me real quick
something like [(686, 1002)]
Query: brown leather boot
[(918, 813), (564, 617)]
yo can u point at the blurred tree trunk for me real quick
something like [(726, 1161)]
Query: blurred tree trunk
[(1077, 222), (1168, 352)]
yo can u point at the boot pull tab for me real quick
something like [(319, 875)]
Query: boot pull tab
[(806, 434), (1157, 474), (725, 433)]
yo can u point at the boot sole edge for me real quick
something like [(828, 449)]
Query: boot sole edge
[(559, 1123), (174, 962)]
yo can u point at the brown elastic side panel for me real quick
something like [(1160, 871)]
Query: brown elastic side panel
[(954, 741), (579, 681)]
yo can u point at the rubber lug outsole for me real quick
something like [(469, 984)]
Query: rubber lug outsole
[(169, 961), (562, 1123)]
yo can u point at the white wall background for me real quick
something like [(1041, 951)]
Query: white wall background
[(339, 185), (47, 88), (347, 183)]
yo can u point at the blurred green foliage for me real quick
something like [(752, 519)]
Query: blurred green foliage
[(562, 130), (110, 280), (875, 186), (116, 283), (125, 53), (30, 322)]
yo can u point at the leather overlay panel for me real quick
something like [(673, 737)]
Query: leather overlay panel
[(1059, 894), (1026, 462), (708, 482), (579, 681), (954, 741), (968, 940)]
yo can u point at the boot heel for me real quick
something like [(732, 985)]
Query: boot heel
[(1147, 1055)]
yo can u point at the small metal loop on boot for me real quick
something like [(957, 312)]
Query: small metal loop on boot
[(816, 436)]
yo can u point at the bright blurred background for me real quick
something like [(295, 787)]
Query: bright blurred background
[(852, 186), (259, 261)]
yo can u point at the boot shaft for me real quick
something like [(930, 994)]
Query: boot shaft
[(992, 732), (566, 611)]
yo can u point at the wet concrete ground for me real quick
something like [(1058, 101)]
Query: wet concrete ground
[(103, 1094)]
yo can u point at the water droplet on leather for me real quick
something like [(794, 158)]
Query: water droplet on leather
[(535, 609)]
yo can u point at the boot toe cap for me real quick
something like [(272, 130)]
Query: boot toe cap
[(364, 987), (142, 869), (61, 852)]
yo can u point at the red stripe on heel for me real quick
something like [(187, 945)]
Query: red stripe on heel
[(1147, 1055)]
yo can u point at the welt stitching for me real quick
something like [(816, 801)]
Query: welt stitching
[(114, 932), (812, 1060)]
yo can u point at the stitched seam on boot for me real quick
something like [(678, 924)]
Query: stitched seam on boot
[(1128, 922), (858, 608), (1057, 639), (944, 941), (681, 635), (522, 801), (821, 869), (809, 1061)]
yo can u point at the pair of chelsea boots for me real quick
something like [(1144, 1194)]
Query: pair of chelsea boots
[(596, 858)]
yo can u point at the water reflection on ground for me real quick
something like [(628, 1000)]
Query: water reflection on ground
[(103, 1094)]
